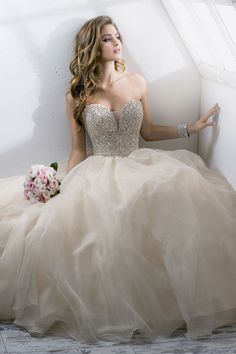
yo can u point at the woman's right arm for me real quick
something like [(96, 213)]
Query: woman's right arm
[(78, 151)]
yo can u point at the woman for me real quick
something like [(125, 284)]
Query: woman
[(139, 240), (98, 77)]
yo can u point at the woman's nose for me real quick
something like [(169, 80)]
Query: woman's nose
[(115, 42)]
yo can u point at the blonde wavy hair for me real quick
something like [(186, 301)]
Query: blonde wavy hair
[(84, 66)]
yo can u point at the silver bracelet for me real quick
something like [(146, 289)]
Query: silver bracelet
[(183, 131)]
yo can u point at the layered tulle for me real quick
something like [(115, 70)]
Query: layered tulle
[(146, 242)]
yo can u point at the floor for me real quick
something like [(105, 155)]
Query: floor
[(14, 340)]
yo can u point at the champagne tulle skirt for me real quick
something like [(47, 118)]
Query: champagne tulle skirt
[(146, 242)]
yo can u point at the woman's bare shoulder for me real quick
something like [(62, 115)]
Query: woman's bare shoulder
[(139, 81)]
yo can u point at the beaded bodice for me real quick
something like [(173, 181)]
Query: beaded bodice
[(114, 133)]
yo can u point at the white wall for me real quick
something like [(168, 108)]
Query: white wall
[(36, 41), (217, 146)]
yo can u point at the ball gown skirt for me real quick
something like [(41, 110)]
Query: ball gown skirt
[(138, 238)]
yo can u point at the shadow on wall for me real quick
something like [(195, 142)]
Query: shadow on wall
[(214, 136), (51, 134)]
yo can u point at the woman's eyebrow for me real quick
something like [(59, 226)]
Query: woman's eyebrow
[(108, 34)]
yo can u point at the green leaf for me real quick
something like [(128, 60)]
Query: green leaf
[(54, 165)]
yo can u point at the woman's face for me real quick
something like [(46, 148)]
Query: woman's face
[(110, 43)]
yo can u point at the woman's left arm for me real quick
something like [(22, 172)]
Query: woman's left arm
[(153, 132)]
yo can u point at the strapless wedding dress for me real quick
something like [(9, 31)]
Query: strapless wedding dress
[(138, 239)]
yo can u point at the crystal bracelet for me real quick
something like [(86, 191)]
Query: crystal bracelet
[(183, 131)]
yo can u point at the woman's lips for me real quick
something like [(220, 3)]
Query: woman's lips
[(116, 51)]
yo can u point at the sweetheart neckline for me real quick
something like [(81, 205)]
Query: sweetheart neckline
[(119, 110)]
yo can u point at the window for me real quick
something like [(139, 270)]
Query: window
[(191, 33), (208, 28), (216, 40), (228, 18)]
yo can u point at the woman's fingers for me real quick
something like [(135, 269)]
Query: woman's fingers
[(203, 121), (213, 110)]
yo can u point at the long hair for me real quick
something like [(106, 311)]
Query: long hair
[(84, 66)]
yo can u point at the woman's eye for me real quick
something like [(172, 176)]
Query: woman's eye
[(109, 39)]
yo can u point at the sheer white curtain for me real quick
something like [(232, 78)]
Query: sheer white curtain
[(208, 28)]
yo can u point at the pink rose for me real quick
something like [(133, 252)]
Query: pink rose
[(42, 199), (53, 184), (31, 185), (44, 179)]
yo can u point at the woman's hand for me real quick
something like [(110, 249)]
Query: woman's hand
[(202, 122)]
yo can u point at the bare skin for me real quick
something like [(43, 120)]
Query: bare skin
[(115, 90)]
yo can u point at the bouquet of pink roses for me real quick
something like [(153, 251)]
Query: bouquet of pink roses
[(41, 183)]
